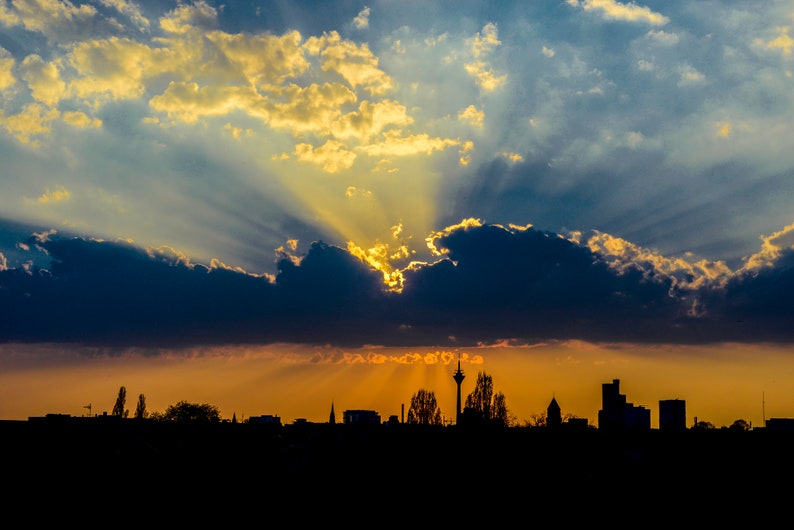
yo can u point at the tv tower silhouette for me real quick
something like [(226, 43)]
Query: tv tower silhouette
[(458, 377)]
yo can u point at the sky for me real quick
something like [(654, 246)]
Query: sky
[(279, 206)]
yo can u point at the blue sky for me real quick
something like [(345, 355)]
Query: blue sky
[(396, 172)]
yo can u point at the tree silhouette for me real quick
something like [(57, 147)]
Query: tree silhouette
[(140, 410), (704, 425), (485, 407), (424, 409), (478, 402), (121, 400), (740, 425), (537, 420), (499, 414), (184, 411)]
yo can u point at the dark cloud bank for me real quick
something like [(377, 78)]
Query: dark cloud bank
[(494, 284)]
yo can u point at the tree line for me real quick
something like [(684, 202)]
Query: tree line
[(483, 407), (181, 411)]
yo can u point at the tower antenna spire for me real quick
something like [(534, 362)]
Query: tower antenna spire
[(763, 410), (458, 377)]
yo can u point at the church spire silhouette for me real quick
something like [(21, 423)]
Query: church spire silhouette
[(458, 377)]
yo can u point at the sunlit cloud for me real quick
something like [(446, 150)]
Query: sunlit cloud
[(113, 69), (332, 156), (472, 115), (772, 247), (395, 144), (186, 18), (724, 129), (7, 78), (33, 120), (130, 10), (43, 79), (188, 102), (689, 76), (57, 195), (630, 12), (8, 16), (355, 63), (622, 254), (482, 44), (465, 153), (58, 20), (782, 42), (432, 239), (512, 157)]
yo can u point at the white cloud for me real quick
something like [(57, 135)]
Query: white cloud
[(630, 12), (362, 19)]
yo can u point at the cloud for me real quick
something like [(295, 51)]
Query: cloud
[(395, 144), (57, 195), (81, 120), (130, 10), (355, 63), (630, 12), (59, 20), (34, 120), (7, 78), (362, 19), (332, 156), (490, 284), (482, 44), (253, 123), (43, 79), (472, 115), (187, 18), (115, 68), (782, 42)]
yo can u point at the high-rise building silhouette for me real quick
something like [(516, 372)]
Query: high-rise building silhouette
[(672, 415), (332, 418), (458, 377), (617, 414)]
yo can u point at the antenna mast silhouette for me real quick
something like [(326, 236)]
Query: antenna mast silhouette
[(458, 377), (763, 410)]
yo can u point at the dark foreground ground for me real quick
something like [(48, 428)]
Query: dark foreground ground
[(389, 475)]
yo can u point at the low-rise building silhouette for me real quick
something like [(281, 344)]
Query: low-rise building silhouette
[(780, 424), (265, 419), (360, 417)]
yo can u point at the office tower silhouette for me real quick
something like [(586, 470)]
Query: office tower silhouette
[(616, 414), (672, 414)]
